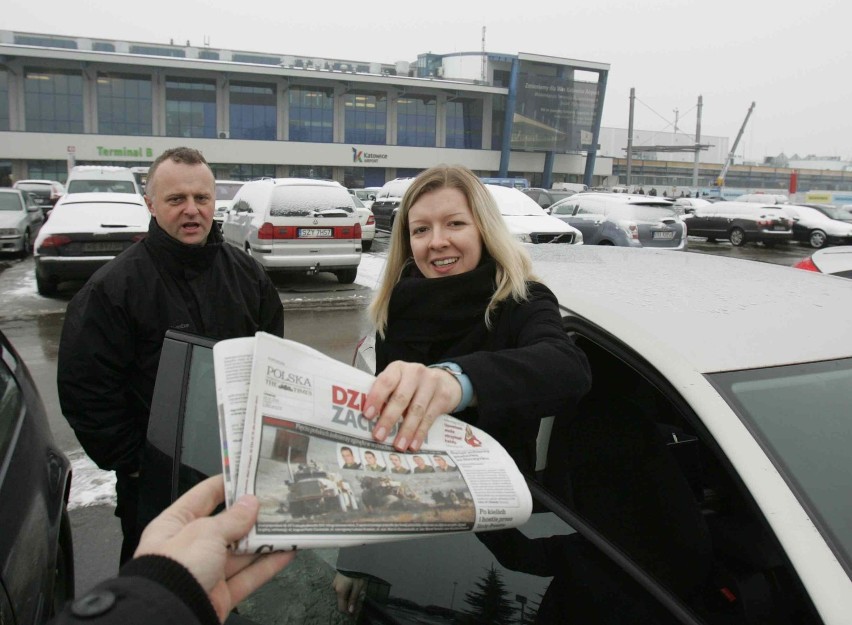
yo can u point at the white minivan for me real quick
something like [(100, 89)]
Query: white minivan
[(101, 179), (296, 225)]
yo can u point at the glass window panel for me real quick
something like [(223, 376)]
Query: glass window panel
[(253, 111), (4, 100), (124, 104), (190, 108), (54, 100), (366, 118), (311, 114)]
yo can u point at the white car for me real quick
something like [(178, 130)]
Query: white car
[(296, 225), (225, 192), (85, 231), (836, 261), (368, 224), (706, 478), (527, 221)]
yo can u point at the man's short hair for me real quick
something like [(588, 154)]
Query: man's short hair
[(342, 449), (187, 156)]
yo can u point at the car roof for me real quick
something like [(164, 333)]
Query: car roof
[(101, 198), (704, 312)]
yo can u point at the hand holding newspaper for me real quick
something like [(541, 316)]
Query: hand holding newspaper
[(293, 434)]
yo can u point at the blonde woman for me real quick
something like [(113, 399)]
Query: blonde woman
[(462, 325)]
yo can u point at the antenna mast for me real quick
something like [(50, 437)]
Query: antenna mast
[(483, 55)]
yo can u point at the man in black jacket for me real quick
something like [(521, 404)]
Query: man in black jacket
[(181, 276)]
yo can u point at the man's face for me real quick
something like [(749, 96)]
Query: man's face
[(370, 458), (396, 460), (181, 199), (419, 461), (347, 456), (439, 460)]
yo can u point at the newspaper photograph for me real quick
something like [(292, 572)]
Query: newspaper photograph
[(293, 435)]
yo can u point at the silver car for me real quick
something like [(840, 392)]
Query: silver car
[(621, 219), (20, 221)]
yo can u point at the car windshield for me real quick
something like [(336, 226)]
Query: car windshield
[(307, 200), (101, 186), (227, 191), (800, 416), (10, 202)]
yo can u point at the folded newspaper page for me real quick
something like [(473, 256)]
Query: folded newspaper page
[(293, 434)]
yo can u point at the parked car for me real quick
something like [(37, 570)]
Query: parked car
[(687, 205), (547, 197), (368, 223), (20, 221), (623, 219), (763, 198), (367, 195), (816, 228), (85, 231), (836, 261), (741, 223), (47, 192), (703, 480), (840, 213), (36, 552), (386, 204), (225, 192), (296, 225), (527, 221), (102, 179)]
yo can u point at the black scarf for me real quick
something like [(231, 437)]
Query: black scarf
[(180, 259), (434, 318)]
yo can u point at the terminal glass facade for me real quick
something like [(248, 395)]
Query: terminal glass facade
[(311, 114), (4, 100), (253, 111), (464, 124), (124, 104), (54, 100), (498, 121), (312, 171), (228, 171), (366, 118), (417, 121), (48, 170), (190, 108)]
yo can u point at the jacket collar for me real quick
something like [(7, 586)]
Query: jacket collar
[(179, 256)]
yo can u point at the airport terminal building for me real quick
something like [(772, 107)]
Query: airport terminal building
[(73, 100)]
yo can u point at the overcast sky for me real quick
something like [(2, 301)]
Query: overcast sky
[(791, 59)]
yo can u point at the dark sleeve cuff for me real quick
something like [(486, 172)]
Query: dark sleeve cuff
[(177, 579)]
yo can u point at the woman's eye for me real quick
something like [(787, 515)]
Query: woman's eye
[(420, 230)]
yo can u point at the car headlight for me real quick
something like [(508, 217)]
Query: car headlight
[(8, 232), (523, 237), (578, 238)]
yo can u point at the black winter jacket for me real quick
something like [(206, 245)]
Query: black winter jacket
[(149, 589), (525, 367), (115, 325)]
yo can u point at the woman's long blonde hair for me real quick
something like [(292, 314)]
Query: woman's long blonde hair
[(514, 267)]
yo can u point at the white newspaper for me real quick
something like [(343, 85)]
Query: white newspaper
[(294, 436)]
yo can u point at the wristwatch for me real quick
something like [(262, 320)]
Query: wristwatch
[(464, 381)]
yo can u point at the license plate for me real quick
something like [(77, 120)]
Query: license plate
[(314, 233), (102, 246), (664, 235), (779, 227)]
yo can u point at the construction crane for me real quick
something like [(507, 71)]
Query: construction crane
[(720, 181)]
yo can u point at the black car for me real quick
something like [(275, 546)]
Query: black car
[(36, 554), (547, 197), (741, 223), (637, 514), (387, 202)]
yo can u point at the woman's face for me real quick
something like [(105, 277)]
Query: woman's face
[(443, 236)]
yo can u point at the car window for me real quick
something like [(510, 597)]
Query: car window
[(308, 200), (563, 208), (226, 191), (11, 400), (101, 186), (10, 202), (643, 213)]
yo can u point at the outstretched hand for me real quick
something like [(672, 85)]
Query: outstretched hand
[(187, 534), (413, 393)]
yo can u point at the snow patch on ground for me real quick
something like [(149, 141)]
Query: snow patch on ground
[(90, 486)]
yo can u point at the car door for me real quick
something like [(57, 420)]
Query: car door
[(588, 218), (35, 217)]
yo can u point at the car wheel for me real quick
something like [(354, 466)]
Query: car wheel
[(26, 245), (63, 570), (605, 243), (346, 276), (817, 239), (45, 286), (366, 245), (737, 237)]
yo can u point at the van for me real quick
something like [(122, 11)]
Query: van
[(569, 186), (296, 225), (101, 179)]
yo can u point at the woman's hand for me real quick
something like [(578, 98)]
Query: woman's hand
[(414, 393), (350, 592), (184, 532)]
